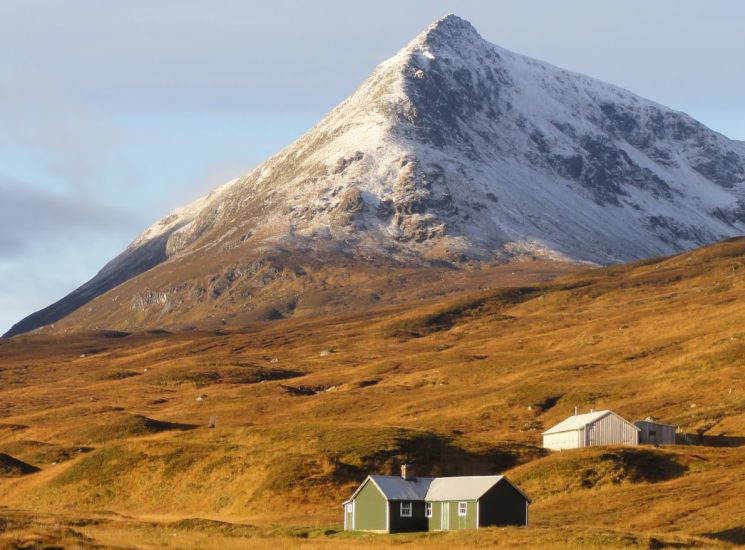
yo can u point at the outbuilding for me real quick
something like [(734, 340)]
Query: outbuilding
[(393, 504), (589, 430), (655, 433)]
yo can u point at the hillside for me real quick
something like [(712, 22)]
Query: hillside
[(454, 152), (117, 422)]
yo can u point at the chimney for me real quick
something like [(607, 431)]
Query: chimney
[(575, 411), (407, 471)]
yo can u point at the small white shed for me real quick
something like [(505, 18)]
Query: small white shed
[(589, 430)]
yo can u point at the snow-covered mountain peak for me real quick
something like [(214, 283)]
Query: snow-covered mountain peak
[(454, 150), (450, 29), (447, 38)]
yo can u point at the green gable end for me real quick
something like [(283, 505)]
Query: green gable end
[(369, 509)]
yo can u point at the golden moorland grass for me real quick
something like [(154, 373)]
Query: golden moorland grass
[(304, 408)]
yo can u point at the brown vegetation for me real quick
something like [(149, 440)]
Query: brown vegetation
[(462, 384)]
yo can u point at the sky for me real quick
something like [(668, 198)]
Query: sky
[(114, 113)]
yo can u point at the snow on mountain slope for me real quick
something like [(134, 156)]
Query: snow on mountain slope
[(458, 150), (457, 146)]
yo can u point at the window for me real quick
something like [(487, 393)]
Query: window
[(428, 509), (462, 508), (406, 509), (349, 507)]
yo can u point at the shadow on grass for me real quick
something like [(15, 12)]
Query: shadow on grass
[(225, 374), (445, 318), (12, 467), (640, 465), (436, 454), (352, 458), (213, 526), (724, 441), (712, 440), (736, 535), (124, 425)]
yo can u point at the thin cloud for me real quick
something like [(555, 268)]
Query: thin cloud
[(30, 216)]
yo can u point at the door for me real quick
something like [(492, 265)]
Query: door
[(445, 516), (590, 436)]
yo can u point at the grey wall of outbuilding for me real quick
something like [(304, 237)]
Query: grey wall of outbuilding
[(654, 433)]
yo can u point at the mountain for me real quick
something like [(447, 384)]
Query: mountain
[(453, 152)]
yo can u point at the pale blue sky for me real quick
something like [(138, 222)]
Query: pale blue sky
[(112, 113)]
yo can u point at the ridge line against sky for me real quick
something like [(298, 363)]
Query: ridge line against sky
[(112, 114)]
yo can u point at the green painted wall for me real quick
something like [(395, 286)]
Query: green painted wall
[(370, 509), (434, 523), (456, 521), (463, 522)]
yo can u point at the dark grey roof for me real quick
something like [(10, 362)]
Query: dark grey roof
[(398, 488)]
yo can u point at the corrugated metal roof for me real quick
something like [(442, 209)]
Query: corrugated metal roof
[(577, 421), (461, 488), (398, 488), (435, 489)]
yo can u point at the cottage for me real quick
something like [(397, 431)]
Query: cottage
[(655, 433), (591, 429), (392, 504)]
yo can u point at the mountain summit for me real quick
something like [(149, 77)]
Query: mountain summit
[(454, 150)]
